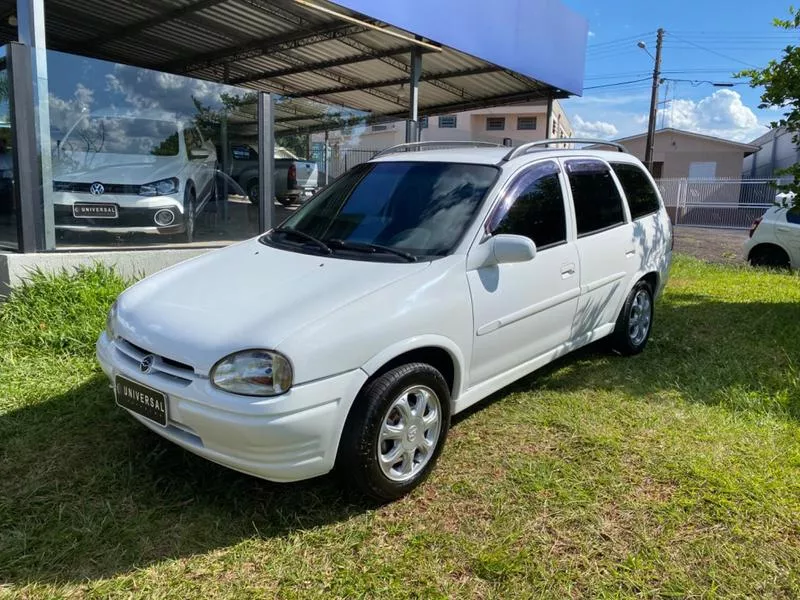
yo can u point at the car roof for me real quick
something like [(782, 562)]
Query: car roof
[(495, 156)]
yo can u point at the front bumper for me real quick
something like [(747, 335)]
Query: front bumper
[(136, 214), (285, 438)]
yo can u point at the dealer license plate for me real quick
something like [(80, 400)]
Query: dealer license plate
[(141, 399), (94, 211)]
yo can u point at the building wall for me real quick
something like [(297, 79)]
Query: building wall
[(778, 151), (470, 125), (678, 152)]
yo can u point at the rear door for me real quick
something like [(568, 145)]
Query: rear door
[(605, 243), (523, 310)]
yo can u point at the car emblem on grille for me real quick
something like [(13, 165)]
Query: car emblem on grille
[(96, 188), (147, 363)]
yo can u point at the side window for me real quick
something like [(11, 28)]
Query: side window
[(534, 207), (793, 215), (642, 198), (240, 152), (598, 204)]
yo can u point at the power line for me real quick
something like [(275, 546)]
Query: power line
[(715, 52), (617, 84)]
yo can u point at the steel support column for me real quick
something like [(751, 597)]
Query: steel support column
[(266, 161), (412, 123), (30, 28)]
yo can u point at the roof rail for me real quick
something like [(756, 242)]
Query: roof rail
[(525, 148), (420, 145)]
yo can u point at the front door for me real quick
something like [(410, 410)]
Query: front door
[(523, 310), (606, 247)]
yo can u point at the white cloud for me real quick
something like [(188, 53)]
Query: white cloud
[(591, 34), (593, 129), (722, 114)]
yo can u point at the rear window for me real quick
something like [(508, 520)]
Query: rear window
[(793, 215), (642, 198), (598, 205)]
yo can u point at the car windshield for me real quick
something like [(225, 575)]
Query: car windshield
[(421, 209), (123, 135)]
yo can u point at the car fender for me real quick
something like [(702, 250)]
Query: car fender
[(415, 343)]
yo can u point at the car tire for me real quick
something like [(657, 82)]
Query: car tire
[(388, 447), (189, 217), (635, 321), (252, 191), (769, 256)]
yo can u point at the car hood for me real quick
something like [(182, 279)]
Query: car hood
[(244, 296), (121, 169)]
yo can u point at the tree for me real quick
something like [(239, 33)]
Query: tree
[(781, 81)]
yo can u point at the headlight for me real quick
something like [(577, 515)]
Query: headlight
[(253, 373), (111, 321), (160, 188)]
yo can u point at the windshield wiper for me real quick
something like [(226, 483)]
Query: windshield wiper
[(305, 237), (371, 248)]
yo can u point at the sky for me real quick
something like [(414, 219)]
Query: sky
[(705, 41)]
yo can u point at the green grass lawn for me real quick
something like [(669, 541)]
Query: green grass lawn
[(672, 474)]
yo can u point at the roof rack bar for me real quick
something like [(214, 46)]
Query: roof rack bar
[(525, 148), (420, 145)]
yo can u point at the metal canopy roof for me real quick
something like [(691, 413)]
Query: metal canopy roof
[(295, 49)]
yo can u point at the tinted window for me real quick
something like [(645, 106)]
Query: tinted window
[(598, 204), (642, 198), (793, 215), (534, 207), (419, 207)]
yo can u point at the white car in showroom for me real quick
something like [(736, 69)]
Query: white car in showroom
[(775, 237), (408, 290), (141, 173)]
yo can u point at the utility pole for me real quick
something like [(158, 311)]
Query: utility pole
[(651, 123)]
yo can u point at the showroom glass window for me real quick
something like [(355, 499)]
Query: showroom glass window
[(534, 207), (640, 193), (8, 207), (597, 201), (138, 156)]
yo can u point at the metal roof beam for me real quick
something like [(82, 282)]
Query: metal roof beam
[(259, 47), (405, 68), (336, 62), (373, 85), (117, 33)]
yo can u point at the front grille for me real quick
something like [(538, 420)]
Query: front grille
[(162, 367), (85, 188), (128, 217)]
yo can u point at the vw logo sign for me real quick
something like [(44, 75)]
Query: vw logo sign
[(147, 363), (96, 188)]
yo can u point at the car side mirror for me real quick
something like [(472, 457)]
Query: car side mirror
[(507, 248), (199, 154)]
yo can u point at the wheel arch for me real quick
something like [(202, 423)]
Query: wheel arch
[(439, 352), (771, 246)]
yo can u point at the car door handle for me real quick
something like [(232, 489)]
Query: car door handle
[(567, 270), (630, 253)]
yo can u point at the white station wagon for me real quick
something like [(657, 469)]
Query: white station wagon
[(409, 289)]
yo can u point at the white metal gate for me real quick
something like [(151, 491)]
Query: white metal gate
[(717, 203)]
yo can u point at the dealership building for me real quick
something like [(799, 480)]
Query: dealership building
[(135, 133)]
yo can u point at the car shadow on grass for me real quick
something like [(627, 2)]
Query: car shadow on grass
[(86, 492), (742, 356)]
